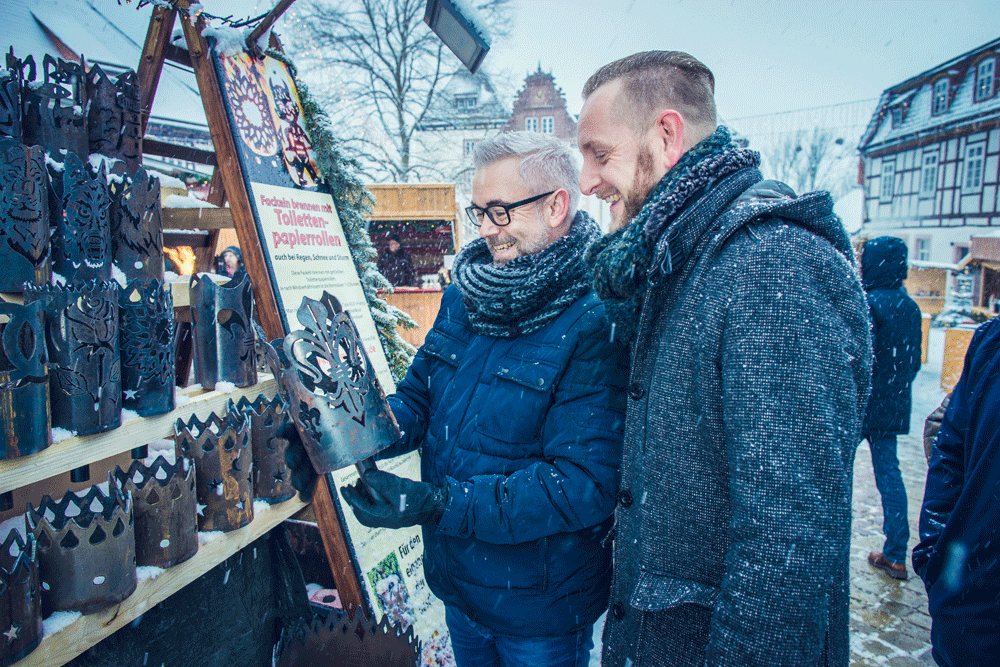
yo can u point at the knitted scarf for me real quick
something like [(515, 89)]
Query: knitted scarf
[(527, 292), (621, 260)]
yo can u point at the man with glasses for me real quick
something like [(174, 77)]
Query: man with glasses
[(516, 400)]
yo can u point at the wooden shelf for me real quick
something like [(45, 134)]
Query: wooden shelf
[(197, 218), (77, 451), (86, 631)]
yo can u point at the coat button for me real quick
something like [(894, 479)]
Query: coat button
[(625, 498), (541, 382), (635, 391), (618, 611)]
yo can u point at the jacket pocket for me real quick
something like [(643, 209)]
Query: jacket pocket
[(522, 390), (443, 348), (656, 592)]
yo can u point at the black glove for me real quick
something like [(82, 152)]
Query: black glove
[(400, 502), (303, 475)]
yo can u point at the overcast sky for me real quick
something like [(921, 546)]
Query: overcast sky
[(767, 55)]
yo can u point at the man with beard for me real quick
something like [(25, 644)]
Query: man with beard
[(516, 401), (751, 360)]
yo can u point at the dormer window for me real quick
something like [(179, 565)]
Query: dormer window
[(939, 103), (466, 101), (985, 79), (897, 116)]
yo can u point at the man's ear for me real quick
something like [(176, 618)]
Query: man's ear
[(557, 208), (669, 131)]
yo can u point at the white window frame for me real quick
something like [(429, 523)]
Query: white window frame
[(928, 175), (972, 170), (922, 249), (531, 124), (939, 98), (985, 79), (547, 124), (470, 145), (888, 183)]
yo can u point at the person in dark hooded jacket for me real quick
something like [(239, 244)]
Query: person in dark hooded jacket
[(958, 556), (896, 346)]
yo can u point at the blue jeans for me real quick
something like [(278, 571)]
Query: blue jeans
[(889, 481), (476, 646)]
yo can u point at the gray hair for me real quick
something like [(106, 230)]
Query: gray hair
[(654, 80), (547, 163)]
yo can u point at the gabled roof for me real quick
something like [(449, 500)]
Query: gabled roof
[(489, 109), (916, 94), (102, 31)]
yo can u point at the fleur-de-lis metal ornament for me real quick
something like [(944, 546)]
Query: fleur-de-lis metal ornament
[(146, 340), (55, 109), (113, 122), (20, 598), (330, 388), (272, 481), (223, 332), (24, 216), (221, 449), (137, 227), (86, 549), (81, 247), (165, 510), (24, 381), (81, 324)]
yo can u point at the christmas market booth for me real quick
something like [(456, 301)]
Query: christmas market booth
[(147, 512)]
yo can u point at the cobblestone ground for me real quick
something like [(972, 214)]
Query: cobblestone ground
[(889, 621)]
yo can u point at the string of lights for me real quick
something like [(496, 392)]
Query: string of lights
[(198, 12)]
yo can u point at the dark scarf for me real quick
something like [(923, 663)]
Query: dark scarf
[(622, 259), (527, 292)]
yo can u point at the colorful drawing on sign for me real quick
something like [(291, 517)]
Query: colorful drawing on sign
[(386, 579), (267, 119)]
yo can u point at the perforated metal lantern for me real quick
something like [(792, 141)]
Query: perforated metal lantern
[(10, 101), (24, 381), (20, 598), (223, 332), (113, 121), (165, 510), (137, 227), (221, 449), (86, 549), (146, 340), (81, 324), (272, 481), (332, 392), (81, 246), (55, 108), (24, 216)]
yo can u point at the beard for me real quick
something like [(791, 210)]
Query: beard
[(642, 184)]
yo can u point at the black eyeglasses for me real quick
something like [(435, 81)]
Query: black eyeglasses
[(499, 213)]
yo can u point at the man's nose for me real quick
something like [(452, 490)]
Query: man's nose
[(488, 228), (589, 180)]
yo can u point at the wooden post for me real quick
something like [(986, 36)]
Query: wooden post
[(161, 24)]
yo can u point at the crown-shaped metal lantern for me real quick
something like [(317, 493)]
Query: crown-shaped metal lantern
[(346, 639), (81, 326), (20, 598), (24, 381), (221, 449), (86, 549), (330, 388), (10, 102), (55, 109), (81, 247), (272, 481), (24, 216), (165, 509), (146, 310), (113, 122), (137, 227), (223, 331)]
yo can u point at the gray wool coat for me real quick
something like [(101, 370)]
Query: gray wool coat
[(750, 373)]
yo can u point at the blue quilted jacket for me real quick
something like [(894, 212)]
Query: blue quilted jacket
[(527, 435)]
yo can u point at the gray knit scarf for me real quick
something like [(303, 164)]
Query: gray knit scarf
[(527, 292)]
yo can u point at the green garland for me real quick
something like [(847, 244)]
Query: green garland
[(354, 203)]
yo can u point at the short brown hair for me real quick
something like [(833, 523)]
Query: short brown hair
[(654, 80)]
